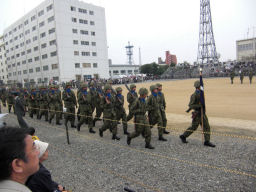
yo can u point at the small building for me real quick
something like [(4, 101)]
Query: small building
[(246, 50), (3, 68), (115, 70)]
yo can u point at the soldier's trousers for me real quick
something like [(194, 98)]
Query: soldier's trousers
[(32, 110), (250, 80), (22, 122), (156, 119), (231, 80), (70, 115), (44, 111), (55, 110), (195, 123), (98, 113), (122, 115), (142, 127), (130, 115), (164, 119), (38, 109), (86, 117), (110, 123), (4, 102), (10, 106)]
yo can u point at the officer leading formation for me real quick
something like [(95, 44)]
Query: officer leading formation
[(147, 111)]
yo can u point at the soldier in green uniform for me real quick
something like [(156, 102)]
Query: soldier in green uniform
[(154, 113), (131, 97), (43, 99), (196, 116), (162, 106), (3, 96), (69, 99), (26, 96), (140, 108), (109, 115), (54, 99), (37, 100), (232, 76), (93, 95), (98, 98), (120, 110), (250, 76), (84, 101), (10, 100), (241, 76), (32, 105)]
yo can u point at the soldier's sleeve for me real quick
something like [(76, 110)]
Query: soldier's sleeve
[(164, 103), (149, 101), (192, 104), (134, 106)]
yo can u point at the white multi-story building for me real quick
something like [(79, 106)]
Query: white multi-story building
[(3, 69), (59, 40), (246, 49)]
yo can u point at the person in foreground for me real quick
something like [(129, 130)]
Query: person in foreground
[(18, 159), (42, 181)]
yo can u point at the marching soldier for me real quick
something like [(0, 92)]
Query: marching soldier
[(3, 96), (250, 76), (162, 106), (154, 113), (196, 118), (43, 100), (32, 105), (140, 107), (131, 97), (93, 95), (232, 76), (69, 99), (84, 100), (120, 110), (99, 110), (10, 100), (109, 115), (54, 99), (241, 76)]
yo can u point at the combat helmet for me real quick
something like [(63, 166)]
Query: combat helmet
[(197, 84), (132, 86), (68, 84), (143, 91), (158, 85), (109, 81), (84, 85), (106, 87), (152, 87), (118, 89)]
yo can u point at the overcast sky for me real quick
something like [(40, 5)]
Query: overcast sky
[(159, 25)]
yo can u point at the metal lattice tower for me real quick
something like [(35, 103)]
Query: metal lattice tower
[(206, 46), (129, 53)]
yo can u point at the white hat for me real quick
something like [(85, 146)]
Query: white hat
[(42, 146)]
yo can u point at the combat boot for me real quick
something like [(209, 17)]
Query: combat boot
[(115, 137), (91, 131), (58, 123), (126, 132), (50, 121), (166, 132), (73, 126), (209, 144), (161, 138), (100, 133), (149, 146), (94, 122), (183, 139), (78, 127), (128, 140)]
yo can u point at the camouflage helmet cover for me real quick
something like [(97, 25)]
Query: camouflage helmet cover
[(118, 89), (143, 91), (132, 86), (153, 87), (197, 84), (106, 87), (158, 85)]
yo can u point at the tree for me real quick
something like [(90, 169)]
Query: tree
[(153, 69)]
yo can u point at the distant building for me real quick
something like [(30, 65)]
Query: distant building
[(169, 58), (3, 68), (246, 49), (160, 61), (58, 40), (115, 70)]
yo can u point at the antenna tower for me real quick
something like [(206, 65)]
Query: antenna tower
[(129, 53), (206, 46)]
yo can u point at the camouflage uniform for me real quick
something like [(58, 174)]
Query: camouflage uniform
[(154, 113), (93, 95), (232, 76), (69, 99), (43, 99), (32, 105), (109, 115), (142, 127), (54, 99), (241, 77), (3, 96), (120, 110), (196, 116), (10, 101), (84, 100), (250, 76), (131, 97), (99, 110)]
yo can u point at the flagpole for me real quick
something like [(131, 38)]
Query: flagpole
[(202, 110)]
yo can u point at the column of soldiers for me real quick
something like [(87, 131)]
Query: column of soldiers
[(241, 76), (147, 111)]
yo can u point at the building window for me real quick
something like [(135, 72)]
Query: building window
[(42, 35), (74, 19), (51, 31), (33, 18), (123, 71), (92, 23), (25, 23), (43, 45), (13, 65), (55, 66), (115, 72), (82, 21), (21, 35), (19, 72), (83, 32), (84, 42), (36, 58), (95, 65), (86, 65), (34, 38), (129, 71), (41, 24), (45, 68), (37, 69), (74, 30), (36, 48), (16, 47), (34, 28), (85, 53), (9, 74), (49, 8), (30, 70), (28, 41), (94, 54), (77, 65), (50, 19), (76, 53), (39, 80), (93, 43), (45, 80), (53, 42), (29, 60), (24, 71), (91, 12), (27, 32), (40, 13), (75, 42), (24, 62), (53, 53), (44, 56), (72, 8), (82, 10), (92, 33), (18, 64), (28, 51), (22, 53)]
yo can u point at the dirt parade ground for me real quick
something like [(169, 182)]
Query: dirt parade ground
[(91, 163)]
